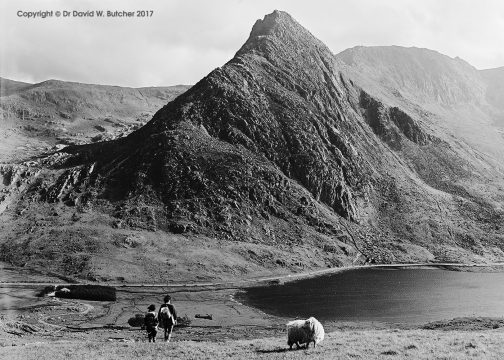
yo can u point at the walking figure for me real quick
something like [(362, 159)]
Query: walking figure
[(167, 317), (151, 322)]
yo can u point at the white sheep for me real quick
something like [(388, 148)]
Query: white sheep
[(304, 332)]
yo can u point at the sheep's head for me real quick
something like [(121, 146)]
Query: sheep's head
[(309, 325)]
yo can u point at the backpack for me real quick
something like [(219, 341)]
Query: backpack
[(165, 316), (150, 320)]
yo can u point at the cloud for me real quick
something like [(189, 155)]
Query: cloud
[(184, 40)]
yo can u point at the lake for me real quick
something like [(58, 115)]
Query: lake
[(407, 296)]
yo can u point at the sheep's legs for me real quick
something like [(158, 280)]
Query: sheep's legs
[(297, 345)]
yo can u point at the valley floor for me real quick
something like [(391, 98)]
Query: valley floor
[(49, 328)]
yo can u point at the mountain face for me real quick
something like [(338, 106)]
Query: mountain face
[(422, 75), (494, 79), (465, 101), (37, 116), (287, 157)]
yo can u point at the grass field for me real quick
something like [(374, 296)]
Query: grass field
[(365, 344)]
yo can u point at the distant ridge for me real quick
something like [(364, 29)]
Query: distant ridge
[(8, 87), (58, 113), (417, 72)]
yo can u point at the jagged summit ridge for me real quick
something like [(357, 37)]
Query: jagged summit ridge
[(271, 22), (279, 23), (282, 27)]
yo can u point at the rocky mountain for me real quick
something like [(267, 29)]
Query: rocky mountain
[(421, 75), (36, 116), (285, 158), (464, 101)]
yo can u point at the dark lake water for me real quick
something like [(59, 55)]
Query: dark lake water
[(407, 296)]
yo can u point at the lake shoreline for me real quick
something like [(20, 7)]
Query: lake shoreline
[(498, 267), (232, 318), (380, 294), (254, 281)]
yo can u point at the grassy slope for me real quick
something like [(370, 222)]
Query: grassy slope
[(367, 344), (10, 86)]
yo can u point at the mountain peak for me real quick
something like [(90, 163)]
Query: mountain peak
[(272, 22), (281, 28)]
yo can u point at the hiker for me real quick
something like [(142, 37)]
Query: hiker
[(151, 322), (167, 317)]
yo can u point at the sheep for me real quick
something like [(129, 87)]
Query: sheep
[(304, 332)]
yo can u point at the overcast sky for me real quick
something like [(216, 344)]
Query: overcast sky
[(184, 40)]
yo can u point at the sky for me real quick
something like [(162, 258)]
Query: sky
[(184, 40)]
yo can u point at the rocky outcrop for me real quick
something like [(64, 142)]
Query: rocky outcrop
[(14, 180), (391, 124)]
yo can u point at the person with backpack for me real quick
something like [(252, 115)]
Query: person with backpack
[(151, 322), (167, 317)]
